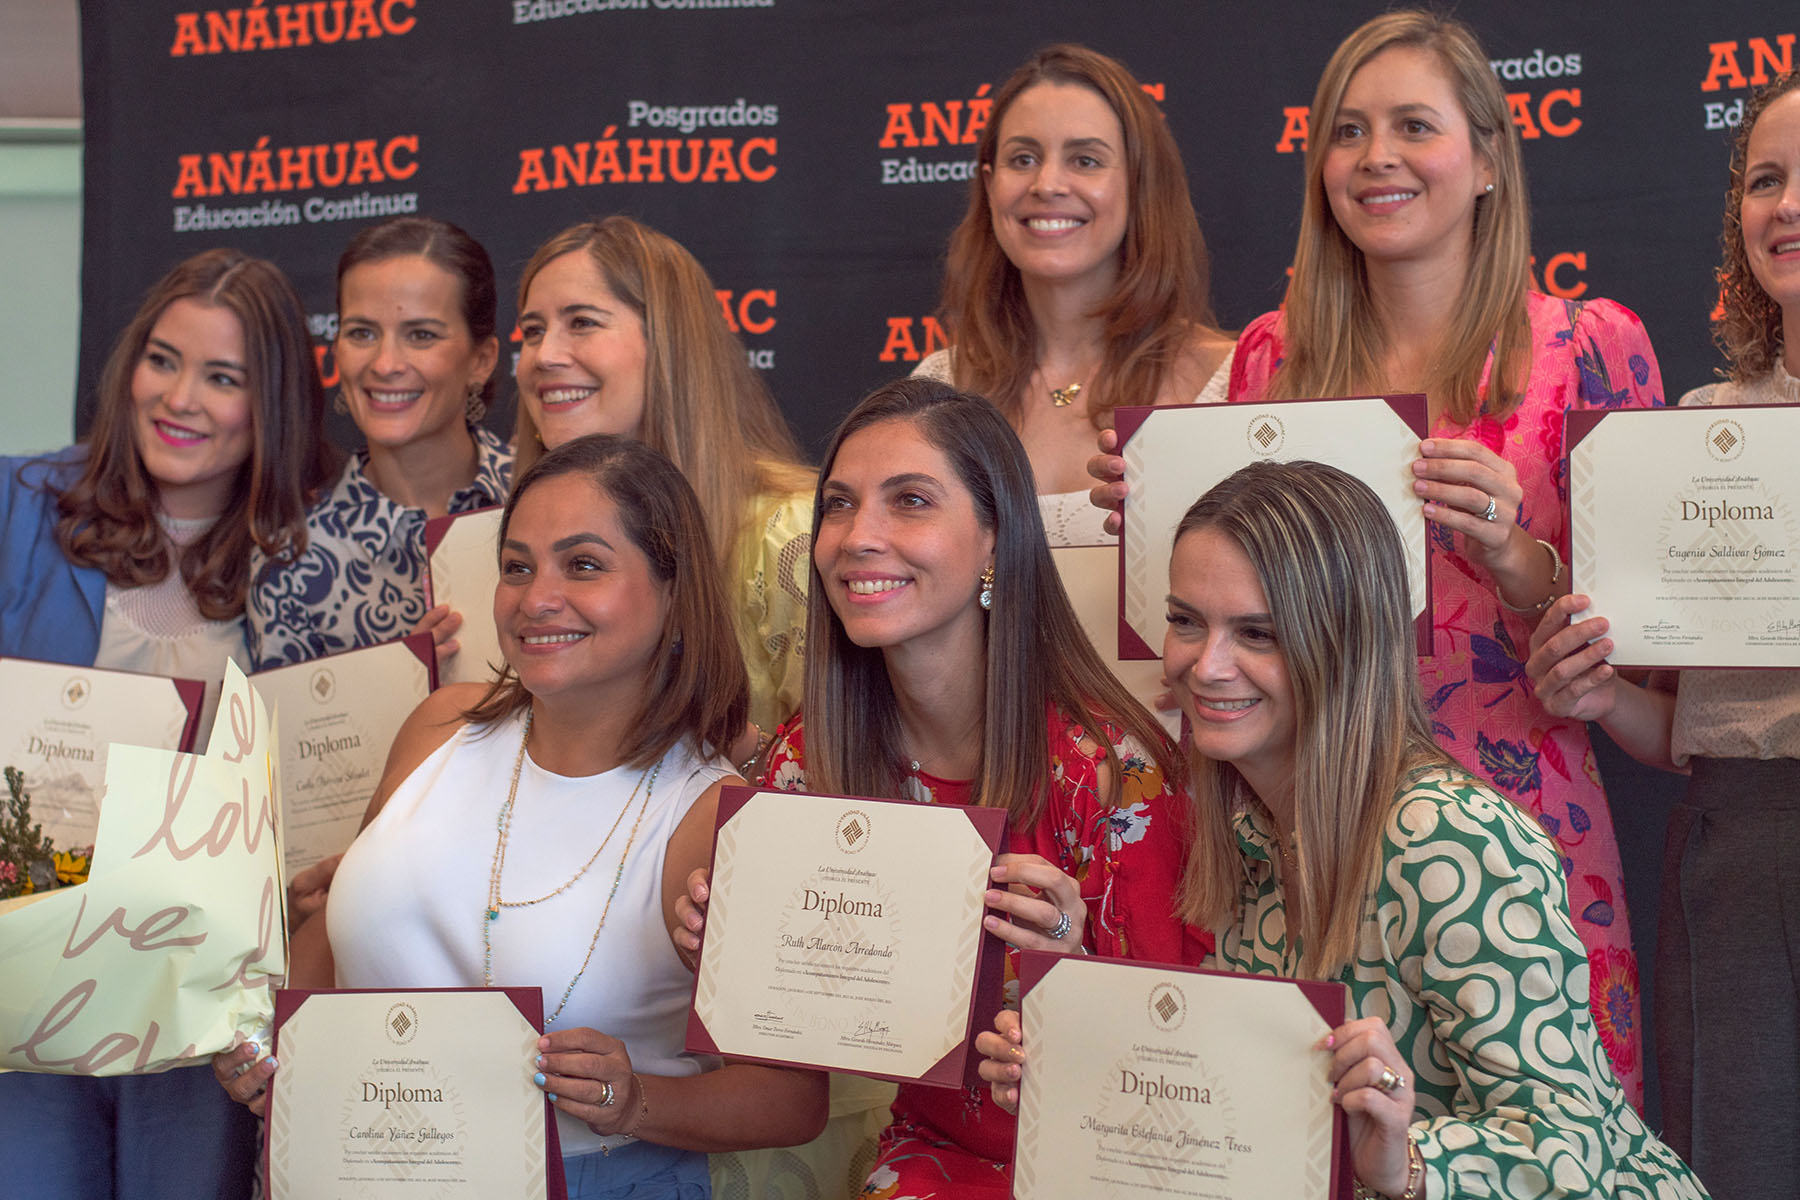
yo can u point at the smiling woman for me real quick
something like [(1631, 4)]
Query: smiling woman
[(415, 353), (1078, 279), (130, 551), (595, 758)]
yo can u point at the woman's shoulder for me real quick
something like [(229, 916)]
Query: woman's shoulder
[(784, 768), (1443, 812), (1589, 317), (1257, 356)]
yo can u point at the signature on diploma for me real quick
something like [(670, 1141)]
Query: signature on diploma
[(1786, 626), (871, 1029)]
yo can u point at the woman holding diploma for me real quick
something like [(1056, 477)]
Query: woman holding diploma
[(538, 830), (623, 335), (130, 551), (1413, 274), (1078, 277), (1723, 981), (1335, 840), (416, 351), (945, 665)]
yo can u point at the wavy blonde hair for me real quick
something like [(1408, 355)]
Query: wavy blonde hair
[(705, 409), (1334, 340)]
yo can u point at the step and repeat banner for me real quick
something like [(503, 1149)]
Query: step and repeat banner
[(815, 154)]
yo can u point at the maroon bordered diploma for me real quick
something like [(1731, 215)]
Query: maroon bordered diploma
[(338, 716), (845, 933), (462, 570), (1174, 454), (1151, 1080), (1684, 530), (417, 1093)]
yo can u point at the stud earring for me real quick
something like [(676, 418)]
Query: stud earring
[(986, 599), (1490, 189), (339, 405)]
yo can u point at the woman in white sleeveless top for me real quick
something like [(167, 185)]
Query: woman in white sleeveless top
[(538, 831)]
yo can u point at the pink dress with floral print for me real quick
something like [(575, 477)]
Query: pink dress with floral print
[(1127, 858), (1584, 355)]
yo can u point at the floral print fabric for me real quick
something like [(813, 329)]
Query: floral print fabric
[(1584, 355), (361, 579), (1127, 857)]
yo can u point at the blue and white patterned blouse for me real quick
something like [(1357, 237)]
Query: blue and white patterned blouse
[(362, 577)]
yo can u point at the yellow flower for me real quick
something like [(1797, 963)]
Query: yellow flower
[(72, 868)]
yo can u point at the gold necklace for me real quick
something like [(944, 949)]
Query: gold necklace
[(495, 903), (1062, 397)]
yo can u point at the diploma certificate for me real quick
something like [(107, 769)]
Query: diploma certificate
[(338, 716), (1148, 1080), (846, 934), (411, 1093), (1174, 454), (1090, 577), (58, 721), (1684, 529), (463, 568)]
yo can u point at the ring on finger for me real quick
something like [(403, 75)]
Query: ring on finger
[(1390, 1081), (1061, 929), (606, 1094), (1491, 511)]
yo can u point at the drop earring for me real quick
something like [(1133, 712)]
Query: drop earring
[(986, 599)]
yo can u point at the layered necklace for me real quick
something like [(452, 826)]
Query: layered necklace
[(495, 903)]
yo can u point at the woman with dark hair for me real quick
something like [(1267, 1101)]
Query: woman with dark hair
[(1724, 949), (944, 664), (1078, 279), (1335, 840), (598, 747), (623, 334), (416, 352), (129, 551)]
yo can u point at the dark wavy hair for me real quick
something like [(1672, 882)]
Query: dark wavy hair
[(107, 516), (696, 686), (1749, 332), (1038, 655), (1161, 297)]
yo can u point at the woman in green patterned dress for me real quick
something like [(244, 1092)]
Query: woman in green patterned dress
[(1335, 840)]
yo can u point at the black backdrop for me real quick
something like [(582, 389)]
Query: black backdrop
[(814, 155)]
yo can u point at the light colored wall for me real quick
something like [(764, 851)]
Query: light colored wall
[(40, 291)]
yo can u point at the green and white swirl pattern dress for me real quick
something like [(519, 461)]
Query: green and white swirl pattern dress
[(1468, 954)]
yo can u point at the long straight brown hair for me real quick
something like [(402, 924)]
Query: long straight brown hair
[(107, 516), (1038, 655), (1331, 566), (1334, 341), (1161, 298)]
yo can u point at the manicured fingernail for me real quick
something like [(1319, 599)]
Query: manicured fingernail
[(538, 1079), (540, 1060), (1330, 1040), (269, 1065), (255, 1050), (990, 923), (996, 872), (552, 1096)]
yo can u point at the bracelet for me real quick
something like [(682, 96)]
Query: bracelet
[(643, 1108), (1415, 1178), (1556, 574)]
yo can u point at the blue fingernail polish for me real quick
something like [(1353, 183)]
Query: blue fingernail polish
[(552, 1096), (255, 1050), (538, 1079), (272, 1063), (540, 1060)]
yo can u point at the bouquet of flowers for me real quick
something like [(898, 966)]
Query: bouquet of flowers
[(29, 861)]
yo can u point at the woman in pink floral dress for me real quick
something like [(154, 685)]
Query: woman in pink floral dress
[(1412, 273)]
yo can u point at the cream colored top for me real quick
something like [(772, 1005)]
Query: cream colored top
[(157, 629), (1747, 713)]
